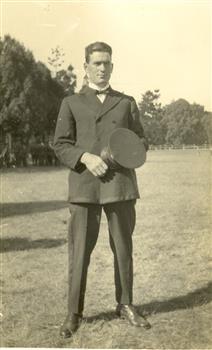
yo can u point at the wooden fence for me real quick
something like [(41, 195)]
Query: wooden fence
[(182, 147)]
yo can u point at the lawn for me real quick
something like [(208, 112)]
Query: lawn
[(172, 259)]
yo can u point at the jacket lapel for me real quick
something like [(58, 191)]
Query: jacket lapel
[(111, 100), (89, 98)]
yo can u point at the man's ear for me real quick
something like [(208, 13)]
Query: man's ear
[(111, 67)]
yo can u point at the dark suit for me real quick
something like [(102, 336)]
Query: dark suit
[(84, 125)]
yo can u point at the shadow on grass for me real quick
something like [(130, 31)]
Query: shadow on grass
[(11, 209), (196, 298), (32, 169), (16, 244)]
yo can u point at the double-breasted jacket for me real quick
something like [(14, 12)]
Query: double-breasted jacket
[(84, 125)]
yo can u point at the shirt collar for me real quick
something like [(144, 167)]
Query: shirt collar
[(95, 87)]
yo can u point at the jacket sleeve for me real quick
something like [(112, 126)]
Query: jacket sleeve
[(135, 123), (65, 139)]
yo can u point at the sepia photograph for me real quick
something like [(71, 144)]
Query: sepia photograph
[(106, 174)]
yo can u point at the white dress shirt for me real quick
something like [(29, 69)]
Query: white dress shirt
[(101, 97)]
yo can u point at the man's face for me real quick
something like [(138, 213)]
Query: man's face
[(99, 68)]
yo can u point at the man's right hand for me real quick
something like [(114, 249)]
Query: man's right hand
[(94, 164)]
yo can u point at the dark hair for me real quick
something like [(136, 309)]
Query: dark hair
[(97, 46)]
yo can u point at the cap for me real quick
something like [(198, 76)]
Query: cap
[(124, 149)]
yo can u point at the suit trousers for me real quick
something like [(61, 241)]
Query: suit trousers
[(82, 237)]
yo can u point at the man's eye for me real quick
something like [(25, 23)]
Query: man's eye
[(99, 63)]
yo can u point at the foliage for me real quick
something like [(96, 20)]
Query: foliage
[(56, 58), (152, 113), (15, 66), (29, 96), (207, 122), (177, 123), (66, 78), (184, 123)]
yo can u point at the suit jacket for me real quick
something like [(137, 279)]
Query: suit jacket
[(84, 125)]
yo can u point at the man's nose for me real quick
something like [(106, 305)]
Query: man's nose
[(102, 67)]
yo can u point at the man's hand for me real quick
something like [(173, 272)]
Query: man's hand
[(94, 164)]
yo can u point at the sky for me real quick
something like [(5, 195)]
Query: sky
[(162, 45)]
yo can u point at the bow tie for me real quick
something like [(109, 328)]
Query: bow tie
[(105, 91)]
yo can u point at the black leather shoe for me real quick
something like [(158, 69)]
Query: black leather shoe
[(129, 313), (70, 325)]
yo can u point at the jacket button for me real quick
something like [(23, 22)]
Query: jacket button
[(114, 122)]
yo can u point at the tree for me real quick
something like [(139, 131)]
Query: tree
[(43, 96), (66, 78), (15, 66), (29, 96), (207, 124), (183, 123), (199, 136), (152, 113), (56, 59)]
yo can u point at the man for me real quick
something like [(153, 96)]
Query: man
[(84, 126)]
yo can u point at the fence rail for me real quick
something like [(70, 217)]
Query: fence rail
[(182, 147)]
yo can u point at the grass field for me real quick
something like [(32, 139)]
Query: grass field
[(172, 260)]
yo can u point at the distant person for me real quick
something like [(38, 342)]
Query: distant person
[(84, 125)]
